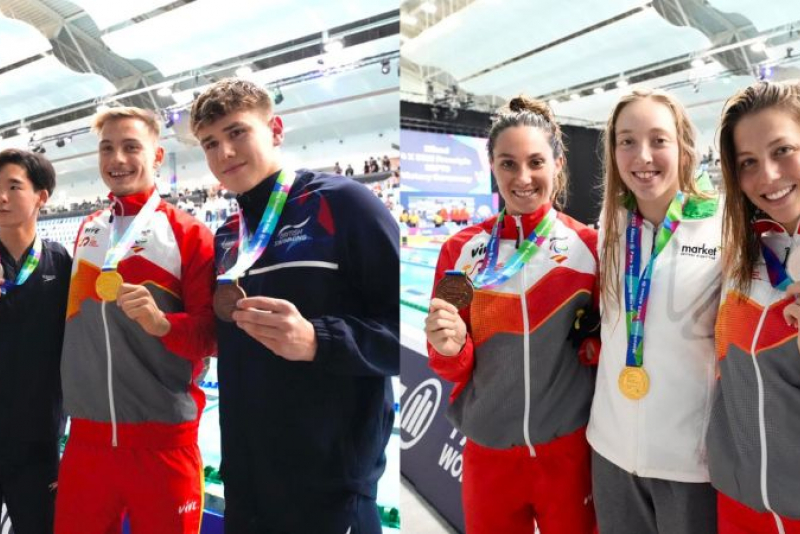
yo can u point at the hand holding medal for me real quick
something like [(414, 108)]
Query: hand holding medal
[(445, 328), (455, 288), (225, 298), (108, 283), (228, 291)]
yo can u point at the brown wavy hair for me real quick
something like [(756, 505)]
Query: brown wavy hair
[(740, 248), (526, 111), (616, 193)]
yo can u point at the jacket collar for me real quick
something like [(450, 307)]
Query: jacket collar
[(528, 220), (129, 204)]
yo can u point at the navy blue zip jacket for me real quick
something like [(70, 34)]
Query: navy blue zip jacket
[(31, 333), (299, 429)]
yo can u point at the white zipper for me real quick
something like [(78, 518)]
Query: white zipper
[(762, 429), (109, 377), (526, 347)]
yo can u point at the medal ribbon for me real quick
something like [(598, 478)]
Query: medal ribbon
[(778, 276), (489, 276), (31, 261), (119, 247), (637, 288), (250, 251)]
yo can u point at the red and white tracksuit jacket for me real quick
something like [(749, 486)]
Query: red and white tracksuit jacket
[(753, 435), (132, 397), (520, 384)]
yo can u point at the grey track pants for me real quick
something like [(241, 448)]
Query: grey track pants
[(629, 504)]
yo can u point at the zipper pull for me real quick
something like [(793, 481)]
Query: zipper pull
[(518, 221)]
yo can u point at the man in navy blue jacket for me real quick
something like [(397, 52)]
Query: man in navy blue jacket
[(306, 405), (34, 281)]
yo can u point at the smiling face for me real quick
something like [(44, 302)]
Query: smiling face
[(242, 148), (647, 154), (525, 169), (129, 156), (768, 163), (19, 201)]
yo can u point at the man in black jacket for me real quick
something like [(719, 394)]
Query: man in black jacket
[(306, 405), (34, 280)]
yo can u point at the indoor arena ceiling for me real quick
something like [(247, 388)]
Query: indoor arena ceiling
[(60, 60), (575, 54)]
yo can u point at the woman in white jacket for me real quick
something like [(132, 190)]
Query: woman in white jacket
[(660, 279)]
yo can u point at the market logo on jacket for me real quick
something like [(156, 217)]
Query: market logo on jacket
[(700, 251), (418, 412)]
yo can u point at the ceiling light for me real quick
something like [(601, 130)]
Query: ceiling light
[(698, 63), (598, 90), (428, 7), (385, 66), (574, 96), (552, 102), (278, 96), (409, 20), (622, 84), (22, 130), (244, 71), (758, 46), (334, 45), (164, 91)]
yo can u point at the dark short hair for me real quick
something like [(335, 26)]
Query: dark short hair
[(38, 168)]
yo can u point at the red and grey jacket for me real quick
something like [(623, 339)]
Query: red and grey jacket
[(754, 431), (519, 379), (122, 386)]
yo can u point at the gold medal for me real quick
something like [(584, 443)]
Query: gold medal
[(634, 382), (107, 285)]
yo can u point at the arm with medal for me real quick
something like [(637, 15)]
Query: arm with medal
[(135, 301), (445, 328), (275, 323)]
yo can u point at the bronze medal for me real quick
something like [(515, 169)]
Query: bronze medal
[(455, 289), (107, 285), (225, 298), (634, 382)]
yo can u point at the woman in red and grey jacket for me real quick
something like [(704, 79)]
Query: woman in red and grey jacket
[(522, 395), (754, 432)]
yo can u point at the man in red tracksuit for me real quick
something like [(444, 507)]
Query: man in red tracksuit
[(139, 323)]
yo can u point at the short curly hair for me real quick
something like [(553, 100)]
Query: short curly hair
[(227, 96)]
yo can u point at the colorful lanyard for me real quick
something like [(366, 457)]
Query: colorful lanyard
[(250, 251), (31, 261), (637, 288), (778, 276), (119, 247), (489, 276)]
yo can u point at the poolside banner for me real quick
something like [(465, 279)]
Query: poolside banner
[(431, 449), (444, 163)]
